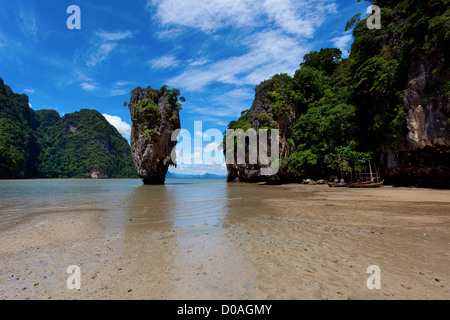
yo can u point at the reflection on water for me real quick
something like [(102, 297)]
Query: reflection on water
[(249, 200), (20, 199), (191, 205), (174, 237)]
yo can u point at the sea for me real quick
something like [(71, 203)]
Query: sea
[(179, 203)]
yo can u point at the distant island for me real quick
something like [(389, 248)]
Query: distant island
[(171, 175), (41, 144)]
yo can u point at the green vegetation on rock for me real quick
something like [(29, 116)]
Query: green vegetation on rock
[(81, 142), (41, 144), (347, 110)]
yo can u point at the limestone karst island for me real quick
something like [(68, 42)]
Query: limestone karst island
[(225, 150)]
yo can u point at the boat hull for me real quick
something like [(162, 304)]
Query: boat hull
[(338, 185), (366, 185)]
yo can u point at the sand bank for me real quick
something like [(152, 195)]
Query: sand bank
[(316, 247)]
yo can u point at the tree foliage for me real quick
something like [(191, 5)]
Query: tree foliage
[(347, 110), (325, 60), (42, 144), (81, 142)]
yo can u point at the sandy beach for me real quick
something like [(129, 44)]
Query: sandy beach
[(318, 247)]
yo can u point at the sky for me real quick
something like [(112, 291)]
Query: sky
[(214, 51)]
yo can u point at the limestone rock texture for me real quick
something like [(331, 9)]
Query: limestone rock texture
[(283, 122), (422, 157), (155, 117)]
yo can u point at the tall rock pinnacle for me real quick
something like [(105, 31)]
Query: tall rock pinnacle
[(155, 116)]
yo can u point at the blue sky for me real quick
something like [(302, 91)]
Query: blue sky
[(214, 51)]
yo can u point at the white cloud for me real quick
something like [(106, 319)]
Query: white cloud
[(122, 83), (113, 36), (121, 126), (228, 104), (298, 17), (201, 134), (29, 90), (199, 62), (113, 91), (81, 76), (119, 92), (207, 16), (235, 96), (269, 52), (88, 87), (101, 53), (103, 45), (213, 146), (217, 121), (343, 43), (169, 34), (28, 22), (271, 34), (164, 62)]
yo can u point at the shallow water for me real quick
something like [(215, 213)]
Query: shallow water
[(197, 205), (206, 239)]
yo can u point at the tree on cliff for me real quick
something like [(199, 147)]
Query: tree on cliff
[(355, 107), (326, 60)]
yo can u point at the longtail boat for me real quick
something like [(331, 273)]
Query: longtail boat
[(338, 185), (366, 184), (362, 183)]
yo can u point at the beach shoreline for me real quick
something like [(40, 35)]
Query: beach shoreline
[(318, 246)]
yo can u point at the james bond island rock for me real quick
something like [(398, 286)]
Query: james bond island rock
[(155, 117)]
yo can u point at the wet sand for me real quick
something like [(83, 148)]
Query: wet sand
[(318, 246)]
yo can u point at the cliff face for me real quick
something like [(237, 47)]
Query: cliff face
[(387, 102), (155, 116), (18, 145), (283, 122), (422, 158), (82, 144)]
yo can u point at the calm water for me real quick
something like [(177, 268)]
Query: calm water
[(189, 204)]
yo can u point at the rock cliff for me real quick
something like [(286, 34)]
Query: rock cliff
[(155, 116), (387, 102), (262, 115), (422, 157)]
